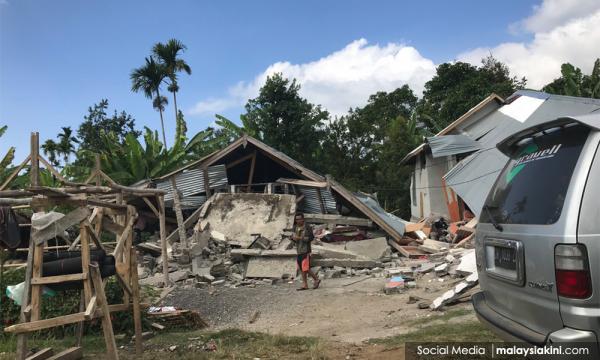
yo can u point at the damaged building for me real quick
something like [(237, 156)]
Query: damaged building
[(241, 201), (455, 169)]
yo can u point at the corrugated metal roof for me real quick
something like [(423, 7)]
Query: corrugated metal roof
[(473, 177), (191, 182), (391, 220), (447, 145), (311, 203)]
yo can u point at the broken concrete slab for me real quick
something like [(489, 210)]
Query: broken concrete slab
[(337, 220), (454, 294), (237, 216), (270, 267), (328, 251), (468, 264), (352, 263), (370, 248)]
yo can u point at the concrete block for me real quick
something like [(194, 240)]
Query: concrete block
[(371, 248), (270, 267), (468, 264)]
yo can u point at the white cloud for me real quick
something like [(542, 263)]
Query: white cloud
[(342, 79), (540, 59), (212, 106), (553, 13)]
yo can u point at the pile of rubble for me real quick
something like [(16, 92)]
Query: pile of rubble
[(244, 240)]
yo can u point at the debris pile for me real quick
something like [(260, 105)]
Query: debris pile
[(244, 240)]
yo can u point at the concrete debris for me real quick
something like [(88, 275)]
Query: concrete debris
[(270, 267), (373, 249), (456, 293), (467, 264)]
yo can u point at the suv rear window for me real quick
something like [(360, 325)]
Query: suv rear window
[(532, 186)]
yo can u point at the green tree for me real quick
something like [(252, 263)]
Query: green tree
[(283, 119), (148, 79), (459, 86), (97, 120), (64, 147), (132, 160), (573, 82), (168, 55), (357, 138)]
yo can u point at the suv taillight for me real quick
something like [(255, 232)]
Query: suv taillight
[(572, 271)]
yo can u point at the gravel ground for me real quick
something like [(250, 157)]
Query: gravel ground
[(340, 310)]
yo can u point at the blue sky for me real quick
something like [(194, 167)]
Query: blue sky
[(59, 57)]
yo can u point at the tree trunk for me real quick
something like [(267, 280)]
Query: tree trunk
[(175, 105), (162, 122)]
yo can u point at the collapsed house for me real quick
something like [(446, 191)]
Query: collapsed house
[(248, 165), (455, 170)]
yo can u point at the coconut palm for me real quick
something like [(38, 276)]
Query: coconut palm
[(66, 143), (148, 80), (168, 55)]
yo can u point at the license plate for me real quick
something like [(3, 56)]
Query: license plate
[(505, 258)]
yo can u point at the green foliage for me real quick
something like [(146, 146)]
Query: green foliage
[(8, 157), (457, 87), (574, 83), (363, 149), (63, 303), (133, 160), (281, 118)]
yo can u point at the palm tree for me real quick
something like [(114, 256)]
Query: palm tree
[(167, 54), (148, 79), (65, 144)]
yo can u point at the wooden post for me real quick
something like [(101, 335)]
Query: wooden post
[(34, 174), (85, 260), (125, 258), (320, 198), (252, 166), (109, 336), (97, 169), (135, 289), (179, 215), (24, 317), (163, 237)]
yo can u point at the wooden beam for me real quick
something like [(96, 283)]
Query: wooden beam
[(309, 183), (34, 173), (46, 323), (320, 199), (15, 173), (41, 355), (151, 206), (163, 238), (73, 353), (179, 215), (58, 279), (239, 161), (90, 309), (135, 297), (109, 336), (25, 314), (252, 166), (189, 222), (51, 168)]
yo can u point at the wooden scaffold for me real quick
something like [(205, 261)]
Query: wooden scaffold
[(98, 208)]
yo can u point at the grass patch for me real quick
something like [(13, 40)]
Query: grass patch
[(230, 344), (442, 317), (472, 331)]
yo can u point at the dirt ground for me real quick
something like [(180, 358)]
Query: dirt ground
[(342, 310)]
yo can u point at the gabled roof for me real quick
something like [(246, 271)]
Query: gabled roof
[(379, 217), (243, 141), (464, 117)]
